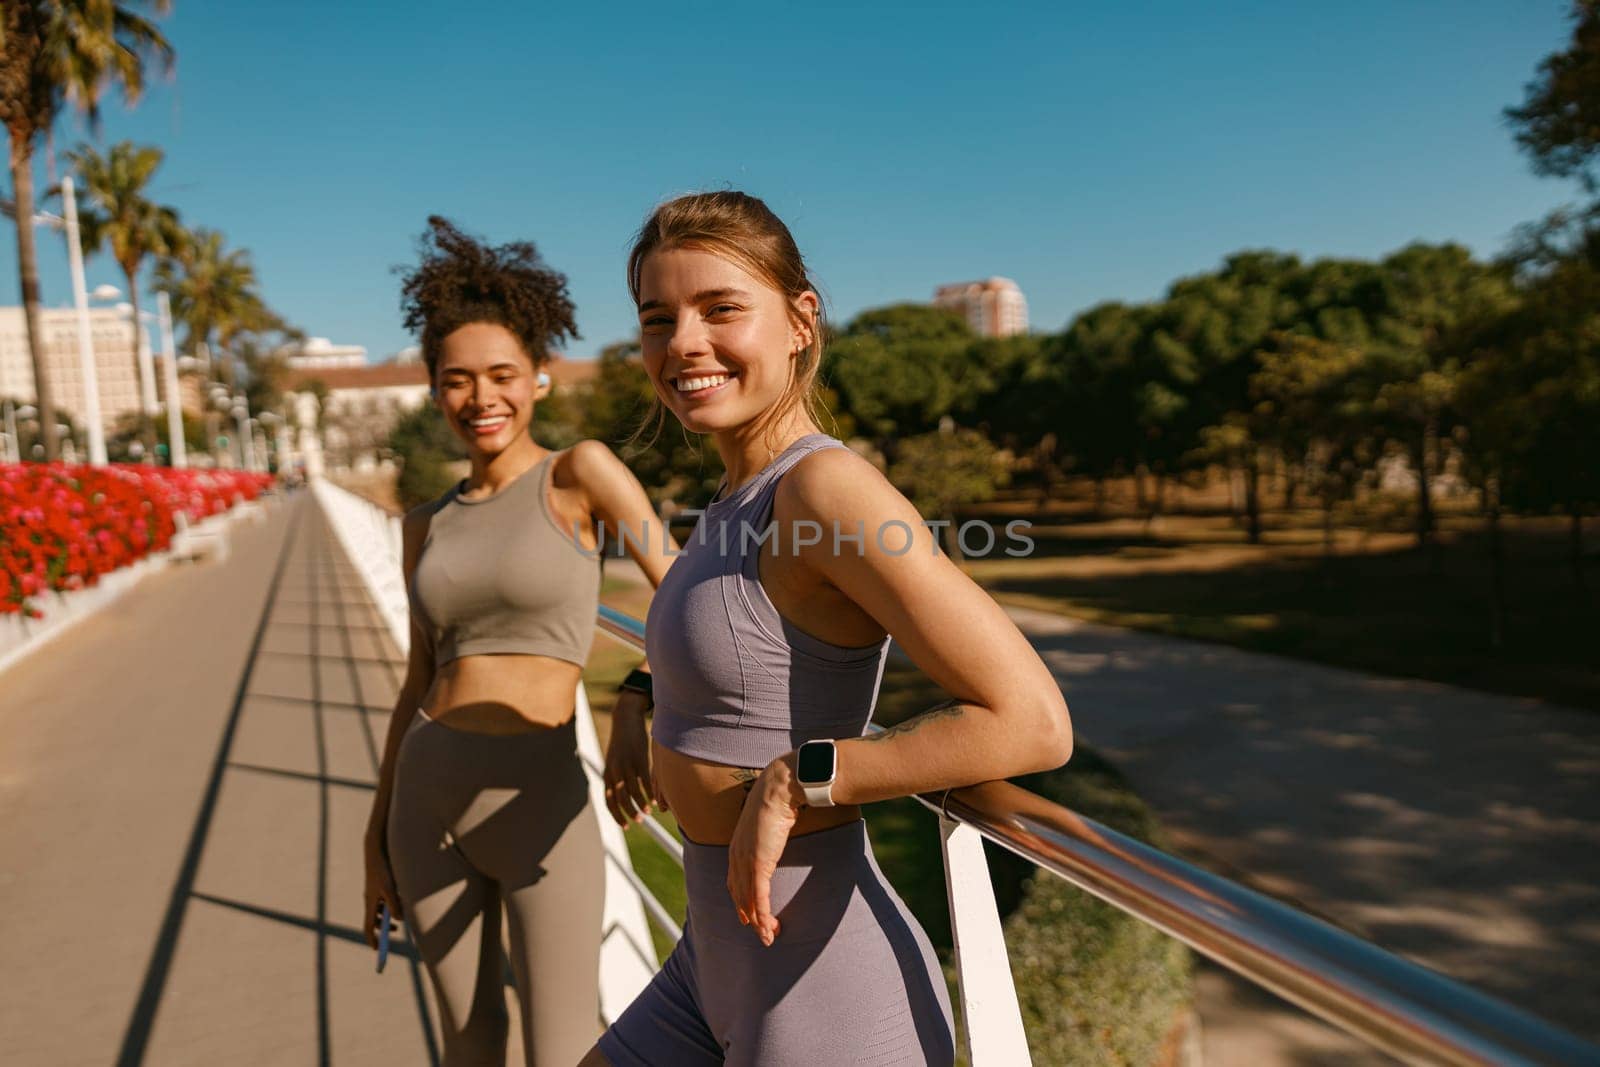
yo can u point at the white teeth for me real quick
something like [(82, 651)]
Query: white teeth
[(489, 420), (693, 385)]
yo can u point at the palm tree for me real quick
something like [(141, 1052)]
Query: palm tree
[(120, 217), (214, 294), (54, 53)]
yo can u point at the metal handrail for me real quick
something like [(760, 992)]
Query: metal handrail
[(1398, 1006)]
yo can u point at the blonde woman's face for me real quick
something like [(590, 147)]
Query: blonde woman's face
[(718, 342)]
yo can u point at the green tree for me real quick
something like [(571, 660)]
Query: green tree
[(1308, 405), (946, 470), (122, 219), (55, 52), (1558, 124), (1418, 296), (426, 448), (215, 296), (1532, 392), (898, 370)]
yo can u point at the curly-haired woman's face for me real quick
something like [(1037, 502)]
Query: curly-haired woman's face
[(718, 342), (487, 386)]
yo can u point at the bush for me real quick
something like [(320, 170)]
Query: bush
[(426, 449), (1096, 985)]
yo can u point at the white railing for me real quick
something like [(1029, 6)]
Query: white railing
[(1400, 1007)]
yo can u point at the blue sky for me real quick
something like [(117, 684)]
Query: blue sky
[(1090, 152)]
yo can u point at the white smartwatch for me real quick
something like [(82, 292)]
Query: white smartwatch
[(816, 769)]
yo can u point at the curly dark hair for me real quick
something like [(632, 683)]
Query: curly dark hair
[(462, 280)]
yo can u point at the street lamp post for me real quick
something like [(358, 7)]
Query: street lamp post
[(280, 437), (80, 296), (178, 449), (13, 451), (178, 454), (247, 444)]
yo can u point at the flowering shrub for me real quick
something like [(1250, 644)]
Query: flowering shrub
[(62, 527)]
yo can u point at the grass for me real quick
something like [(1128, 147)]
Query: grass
[(1379, 604)]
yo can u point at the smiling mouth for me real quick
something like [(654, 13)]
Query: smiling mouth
[(488, 424), (700, 384)]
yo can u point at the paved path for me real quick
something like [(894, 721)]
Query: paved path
[(183, 785), (1456, 828)]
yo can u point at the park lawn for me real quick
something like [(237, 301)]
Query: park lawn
[(1379, 604)]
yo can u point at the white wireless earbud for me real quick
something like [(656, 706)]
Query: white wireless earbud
[(543, 379)]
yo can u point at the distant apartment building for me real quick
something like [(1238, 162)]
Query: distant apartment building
[(111, 338), (993, 308)]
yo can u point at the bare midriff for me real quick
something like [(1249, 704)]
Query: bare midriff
[(707, 798), (502, 694)]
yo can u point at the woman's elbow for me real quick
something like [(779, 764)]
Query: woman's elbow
[(1050, 738)]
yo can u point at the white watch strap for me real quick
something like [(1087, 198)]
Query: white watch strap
[(819, 796)]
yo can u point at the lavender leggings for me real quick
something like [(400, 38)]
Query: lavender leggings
[(850, 979)]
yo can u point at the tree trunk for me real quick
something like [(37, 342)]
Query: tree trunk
[(1497, 573), (28, 271), (147, 426), (1140, 494), (1327, 525), (1419, 458), (1252, 498), (1099, 494), (1575, 552), (1291, 485)]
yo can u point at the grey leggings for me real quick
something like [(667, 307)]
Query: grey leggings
[(850, 979), (482, 820)]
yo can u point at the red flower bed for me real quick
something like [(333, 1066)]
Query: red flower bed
[(62, 527)]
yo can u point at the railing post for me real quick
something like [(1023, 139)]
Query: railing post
[(994, 1032)]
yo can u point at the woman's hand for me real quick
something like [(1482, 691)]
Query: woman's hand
[(630, 784), (758, 841), (380, 887)]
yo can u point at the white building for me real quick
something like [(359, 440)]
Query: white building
[(321, 353), (360, 404), (993, 308), (117, 374)]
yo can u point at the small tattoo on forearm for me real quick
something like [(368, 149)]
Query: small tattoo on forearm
[(948, 710)]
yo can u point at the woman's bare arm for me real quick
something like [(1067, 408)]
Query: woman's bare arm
[(616, 498), (1008, 716)]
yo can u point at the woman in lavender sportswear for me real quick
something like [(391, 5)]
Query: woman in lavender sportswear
[(767, 639)]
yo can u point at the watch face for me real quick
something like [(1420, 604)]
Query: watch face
[(815, 764)]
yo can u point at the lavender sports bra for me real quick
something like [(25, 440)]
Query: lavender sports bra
[(735, 682)]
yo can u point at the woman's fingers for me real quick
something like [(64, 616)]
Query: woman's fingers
[(614, 806), (639, 793), (765, 922)]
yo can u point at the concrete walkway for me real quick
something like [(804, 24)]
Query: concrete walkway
[(183, 786), (1456, 828)]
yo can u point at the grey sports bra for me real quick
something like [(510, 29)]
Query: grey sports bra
[(735, 682), (499, 576)]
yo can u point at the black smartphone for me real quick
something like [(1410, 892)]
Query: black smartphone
[(383, 935)]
